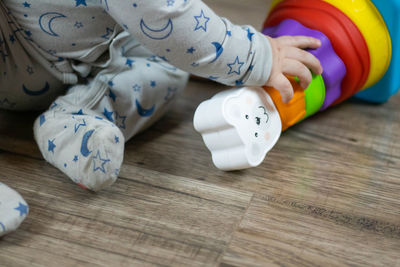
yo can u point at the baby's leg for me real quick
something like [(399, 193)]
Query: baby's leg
[(83, 133), (13, 209)]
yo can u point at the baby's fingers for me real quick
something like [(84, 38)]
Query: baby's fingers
[(283, 85), (295, 68), (304, 57), (299, 41)]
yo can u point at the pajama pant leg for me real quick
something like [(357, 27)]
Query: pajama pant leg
[(24, 83), (83, 132)]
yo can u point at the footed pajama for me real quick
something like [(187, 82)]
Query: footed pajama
[(13, 209), (119, 64)]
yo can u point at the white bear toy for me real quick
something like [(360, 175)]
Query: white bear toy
[(239, 127)]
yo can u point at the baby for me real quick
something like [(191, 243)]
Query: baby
[(123, 63)]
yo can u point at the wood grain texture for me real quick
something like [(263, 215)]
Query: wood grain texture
[(282, 231), (327, 194), (148, 217)]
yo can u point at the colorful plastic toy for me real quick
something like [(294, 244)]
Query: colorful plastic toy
[(359, 54), (334, 68)]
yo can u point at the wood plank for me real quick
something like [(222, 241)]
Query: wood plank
[(280, 231), (147, 217)]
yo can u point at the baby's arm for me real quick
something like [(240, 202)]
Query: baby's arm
[(192, 37)]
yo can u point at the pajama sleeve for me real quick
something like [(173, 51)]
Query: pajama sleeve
[(189, 35)]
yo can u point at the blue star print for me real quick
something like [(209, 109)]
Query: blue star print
[(191, 50), (153, 84), (202, 21), (239, 82), (108, 33), (129, 62), (250, 34), (81, 122), (108, 115), (78, 24), (12, 38), (120, 121), (80, 2), (99, 163), (23, 209), (170, 2), (116, 139), (51, 145), (235, 66), (28, 33), (76, 158), (26, 4), (80, 113), (137, 88)]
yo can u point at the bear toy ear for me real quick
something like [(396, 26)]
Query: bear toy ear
[(239, 127), (13, 209)]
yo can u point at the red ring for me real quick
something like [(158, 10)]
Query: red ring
[(346, 39)]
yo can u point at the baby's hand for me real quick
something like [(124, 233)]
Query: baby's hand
[(290, 59)]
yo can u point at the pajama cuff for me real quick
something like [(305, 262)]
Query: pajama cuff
[(261, 65)]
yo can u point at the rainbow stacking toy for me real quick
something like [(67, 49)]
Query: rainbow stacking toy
[(359, 55)]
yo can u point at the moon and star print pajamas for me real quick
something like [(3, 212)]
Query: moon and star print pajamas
[(110, 68)]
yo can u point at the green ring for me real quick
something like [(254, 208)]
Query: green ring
[(315, 95)]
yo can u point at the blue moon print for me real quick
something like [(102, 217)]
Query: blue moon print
[(84, 148), (46, 20), (157, 34), (219, 51), (144, 112), (3, 227), (36, 93)]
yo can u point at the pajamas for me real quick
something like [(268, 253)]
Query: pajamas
[(120, 64)]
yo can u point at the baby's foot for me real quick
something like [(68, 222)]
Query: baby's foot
[(86, 147), (239, 127), (13, 209)]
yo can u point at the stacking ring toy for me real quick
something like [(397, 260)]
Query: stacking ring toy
[(345, 37), (333, 66)]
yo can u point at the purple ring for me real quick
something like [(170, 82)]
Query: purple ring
[(334, 68)]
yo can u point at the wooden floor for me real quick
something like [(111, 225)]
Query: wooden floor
[(328, 193)]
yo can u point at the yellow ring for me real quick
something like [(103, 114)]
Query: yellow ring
[(372, 26), (274, 3)]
